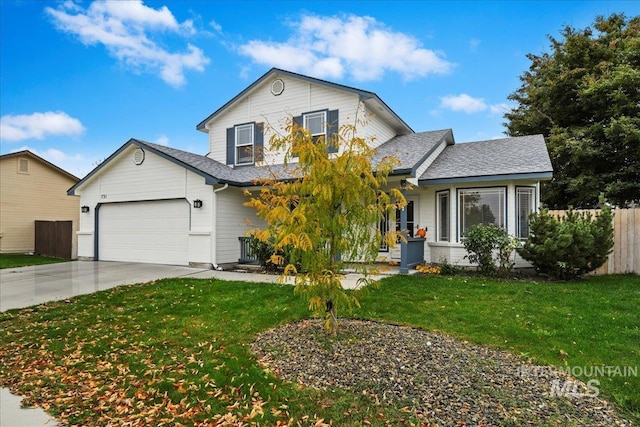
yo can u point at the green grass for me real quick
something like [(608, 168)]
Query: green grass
[(23, 260), (583, 324), (177, 350)]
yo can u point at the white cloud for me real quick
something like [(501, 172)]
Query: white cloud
[(162, 140), (125, 28), (469, 104), (463, 102), (38, 125), (217, 27), (474, 44), (358, 46)]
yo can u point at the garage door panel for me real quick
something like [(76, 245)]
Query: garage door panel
[(152, 232)]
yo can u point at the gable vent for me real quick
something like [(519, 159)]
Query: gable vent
[(277, 87), (138, 156), (23, 165)]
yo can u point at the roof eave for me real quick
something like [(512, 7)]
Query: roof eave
[(541, 176), (209, 180)]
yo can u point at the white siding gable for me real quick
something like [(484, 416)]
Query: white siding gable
[(299, 96)]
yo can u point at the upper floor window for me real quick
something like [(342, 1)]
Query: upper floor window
[(316, 124), (320, 124), (244, 144), (481, 206)]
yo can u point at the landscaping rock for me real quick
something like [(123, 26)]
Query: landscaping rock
[(444, 380)]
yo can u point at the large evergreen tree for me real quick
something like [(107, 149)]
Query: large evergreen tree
[(584, 97)]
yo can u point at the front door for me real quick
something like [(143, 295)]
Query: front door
[(412, 203)]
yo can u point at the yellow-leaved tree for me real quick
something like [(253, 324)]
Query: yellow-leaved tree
[(323, 212)]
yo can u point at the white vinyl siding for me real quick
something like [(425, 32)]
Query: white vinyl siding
[(233, 221), (481, 206), (298, 97), (525, 205), (155, 179), (244, 144)]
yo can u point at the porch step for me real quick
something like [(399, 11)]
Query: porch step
[(246, 268)]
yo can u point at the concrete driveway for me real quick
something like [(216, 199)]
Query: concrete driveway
[(26, 286)]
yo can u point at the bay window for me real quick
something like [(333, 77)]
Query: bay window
[(525, 205), (481, 206), (442, 216)]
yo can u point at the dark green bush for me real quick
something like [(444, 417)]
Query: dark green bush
[(448, 269), (263, 251), (482, 240), (569, 246)]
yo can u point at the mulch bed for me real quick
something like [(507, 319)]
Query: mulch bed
[(444, 380)]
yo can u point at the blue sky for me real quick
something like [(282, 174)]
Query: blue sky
[(78, 79)]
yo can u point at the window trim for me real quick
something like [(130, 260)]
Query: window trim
[(325, 123), (439, 194), (534, 203), (252, 144), (459, 209)]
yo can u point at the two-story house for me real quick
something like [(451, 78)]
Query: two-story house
[(151, 203)]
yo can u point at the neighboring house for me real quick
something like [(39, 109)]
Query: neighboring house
[(152, 203), (32, 189)]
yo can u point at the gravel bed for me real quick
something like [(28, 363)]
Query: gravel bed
[(444, 380)]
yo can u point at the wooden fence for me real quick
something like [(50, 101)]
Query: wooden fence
[(54, 238), (625, 257)]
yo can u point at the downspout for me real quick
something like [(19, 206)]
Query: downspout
[(214, 225)]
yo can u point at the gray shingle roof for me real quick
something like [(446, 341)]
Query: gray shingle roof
[(412, 149), (526, 155), (241, 176), (509, 156)]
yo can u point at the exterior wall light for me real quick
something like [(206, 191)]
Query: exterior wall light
[(197, 203), (85, 209)]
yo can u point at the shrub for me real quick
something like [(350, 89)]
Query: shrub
[(263, 252), (569, 246), (481, 241), (448, 269)]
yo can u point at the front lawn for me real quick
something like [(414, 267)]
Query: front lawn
[(23, 260), (177, 350)]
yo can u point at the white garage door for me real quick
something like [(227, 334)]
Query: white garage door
[(152, 232)]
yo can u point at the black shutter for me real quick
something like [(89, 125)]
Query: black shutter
[(332, 130), (231, 145), (258, 142), (297, 121)]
